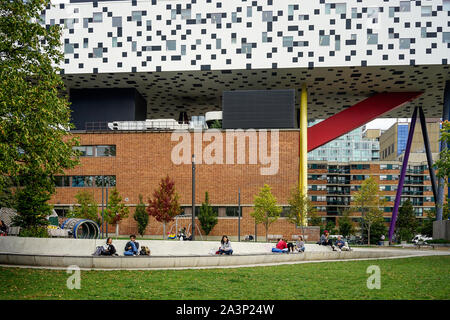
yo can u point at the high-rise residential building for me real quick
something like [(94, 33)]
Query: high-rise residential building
[(353, 146), (393, 140)]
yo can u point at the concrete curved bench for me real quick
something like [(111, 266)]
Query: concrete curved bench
[(62, 253)]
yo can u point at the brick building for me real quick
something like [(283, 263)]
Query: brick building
[(135, 162)]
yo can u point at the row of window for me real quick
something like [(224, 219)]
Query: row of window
[(85, 181), (96, 151)]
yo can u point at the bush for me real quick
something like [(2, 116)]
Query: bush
[(34, 232), (439, 241)]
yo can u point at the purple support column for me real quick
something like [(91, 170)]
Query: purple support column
[(402, 175)]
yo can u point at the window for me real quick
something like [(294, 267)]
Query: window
[(354, 13), (324, 40), (183, 50), (341, 8), (114, 42), (68, 47), (85, 151), (98, 17), (106, 151), (246, 48), (98, 53), (136, 15), (426, 11), (372, 38), (234, 17), (249, 11), (232, 211), (62, 181), (337, 45), (267, 16), (185, 14), (171, 45), (218, 43), (62, 211), (133, 46), (405, 6), (264, 37), (290, 10), (216, 18), (405, 43), (288, 41), (446, 37), (446, 5), (116, 21)]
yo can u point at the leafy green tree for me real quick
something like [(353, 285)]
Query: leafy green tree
[(406, 224), (35, 143), (346, 227), (141, 216), (207, 217), (7, 199), (331, 227), (443, 163), (369, 202), (116, 210), (266, 210), (314, 219), (377, 228), (426, 226), (164, 206), (86, 207), (300, 207)]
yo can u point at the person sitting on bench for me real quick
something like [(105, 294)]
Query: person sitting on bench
[(300, 244), (132, 247), (324, 241), (225, 246), (108, 248), (281, 246), (341, 244)]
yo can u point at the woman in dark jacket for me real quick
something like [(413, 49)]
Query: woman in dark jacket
[(108, 248)]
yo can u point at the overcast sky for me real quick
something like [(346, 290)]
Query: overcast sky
[(384, 123)]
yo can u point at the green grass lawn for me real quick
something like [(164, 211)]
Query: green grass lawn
[(410, 278)]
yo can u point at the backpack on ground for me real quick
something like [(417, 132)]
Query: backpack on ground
[(145, 251)]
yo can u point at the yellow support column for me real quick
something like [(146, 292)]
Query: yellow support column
[(303, 169)]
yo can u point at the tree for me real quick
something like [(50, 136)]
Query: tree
[(164, 206), (346, 226), (443, 163), (300, 207), (369, 202), (35, 143), (315, 220), (266, 210), (141, 216), (377, 229), (331, 227), (426, 226), (116, 210), (406, 225), (87, 208), (207, 217)]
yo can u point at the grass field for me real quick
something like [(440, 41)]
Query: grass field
[(410, 278)]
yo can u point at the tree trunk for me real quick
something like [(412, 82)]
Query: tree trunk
[(267, 232), (117, 229), (368, 235), (164, 230)]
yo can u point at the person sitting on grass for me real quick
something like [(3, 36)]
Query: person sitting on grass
[(225, 246), (300, 244), (132, 247), (341, 244), (3, 228), (281, 246), (108, 248)]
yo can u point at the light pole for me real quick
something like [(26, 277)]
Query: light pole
[(193, 198), (239, 215)]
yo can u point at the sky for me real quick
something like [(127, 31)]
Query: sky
[(384, 123)]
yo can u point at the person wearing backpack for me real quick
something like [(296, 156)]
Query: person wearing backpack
[(132, 247), (108, 248)]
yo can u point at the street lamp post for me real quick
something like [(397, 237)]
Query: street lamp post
[(193, 198), (239, 215)]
